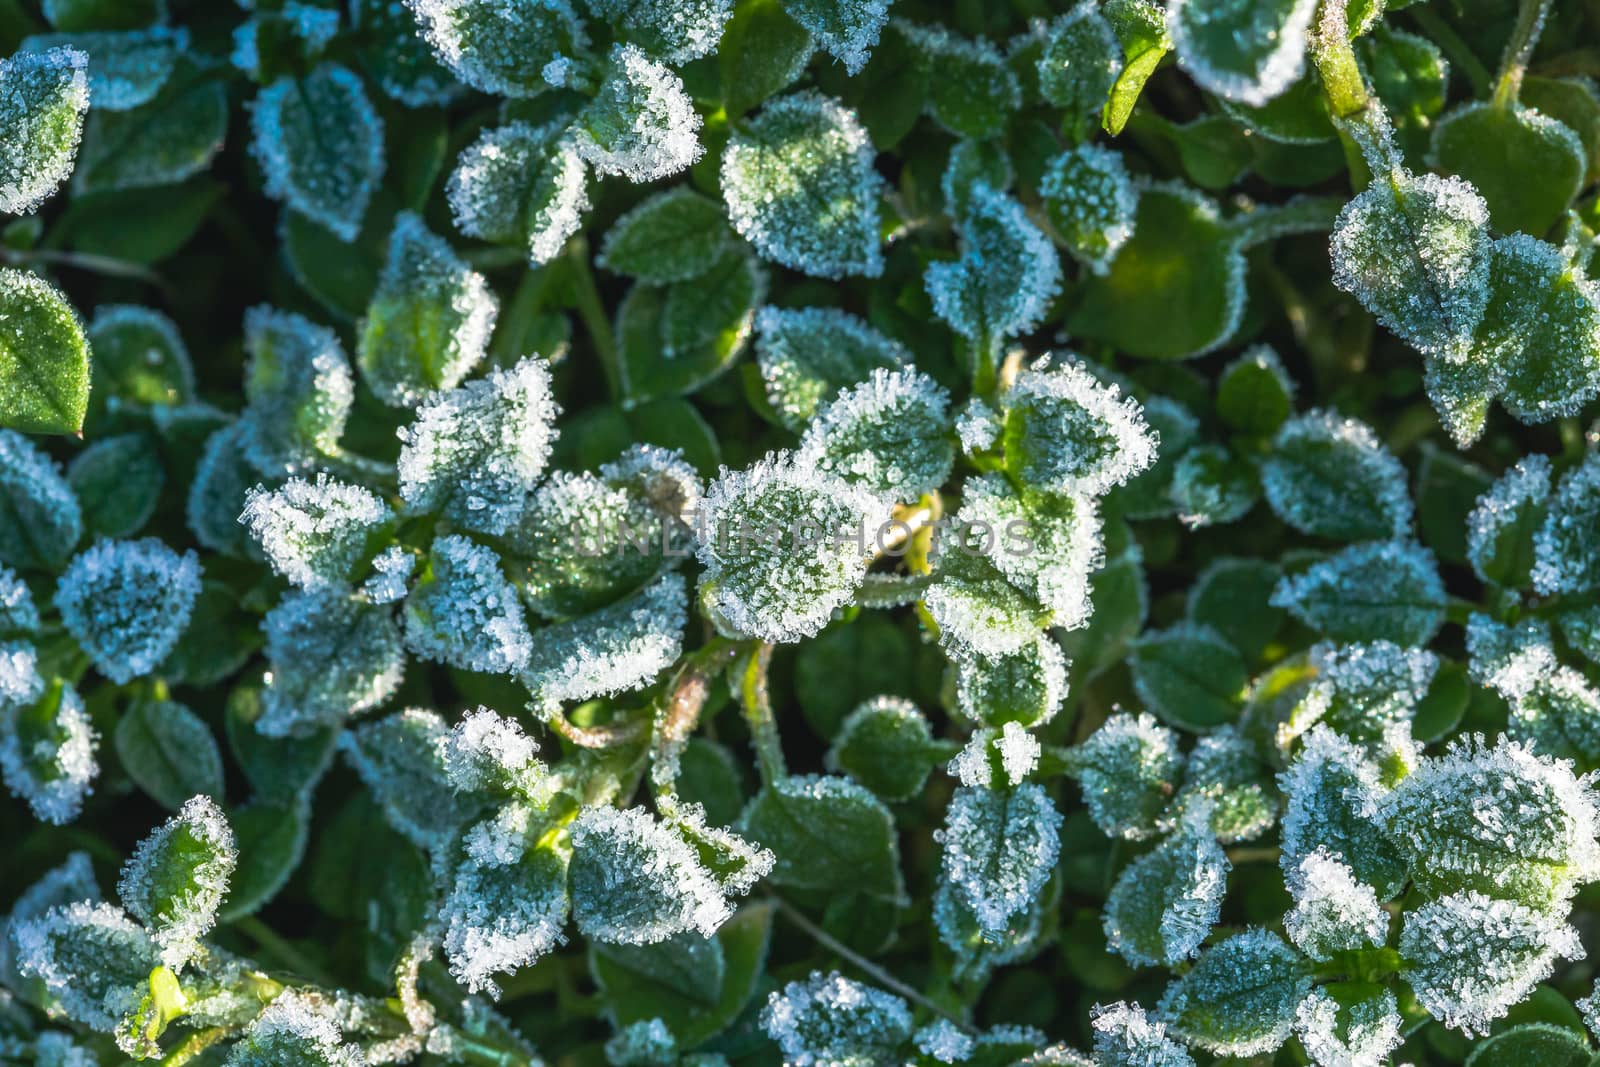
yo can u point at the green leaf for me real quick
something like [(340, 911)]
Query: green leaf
[(43, 96), (848, 665), (1542, 1043), (671, 237), (1446, 489), (1249, 52), (178, 876), (762, 52), (139, 359), (272, 842), (675, 340), (1574, 103), (171, 215), (1141, 27), (1174, 290), (44, 357), (1190, 676), (118, 482), (360, 860), (1526, 165), (1240, 998), (698, 987), (169, 752), (887, 745), (71, 16), (1296, 116), (173, 137), (1331, 477), (1373, 591), (970, 90), (828, 834), (1231, 597), (220, 638)]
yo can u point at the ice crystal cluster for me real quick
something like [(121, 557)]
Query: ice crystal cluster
[(833, 533)]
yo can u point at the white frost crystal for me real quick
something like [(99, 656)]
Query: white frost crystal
[(127, 603), (47, 743), (43, 98), (1166, 901), (1128, 770), (521, 184), (295, 1028), (1006, 277), (609, 651), (1246, 52), (176, 879), (1124, 1036), (313, 533), (642, 124), (888, 435), (999, 848), (1332, 911), (1359, 1035), (94, 960), (829, 1020), (1068, 432), (509, 47), (464, 612)]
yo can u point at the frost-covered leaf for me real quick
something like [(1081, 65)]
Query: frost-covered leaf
[(1505, 521), (637, 880), (1006, 276), (1211, 486), (508, 47), (464, 612), (613, 650), (223, 478), (1333, 912), (976, 610), (47, 742), (999, 848), (93, 959), (1497, 820), (169, 752), (331, 656), (429, 321), (314, 533), (1249, 52), (40, 521), (299, 388), (1331, 477), (845, 29), (1090, 201), (1471, 959), (778, 543), (1332, 792), (295, 1028), (1129, 770), (474, 452), (807, 355), (521, 184), (118, 482), (176, 878), (1078, 64), (1566, 554), (799, 185), (1527, 165), (279, 769), (320, 145), (1240, 998), (1362, 690), (1352, 1024), (762, 52), (19, 616), (44, 356), (996, 757), (1190, 676), (826, 833), (832, 1021), (1556, 1044), (973, 164), (890, 435), (1372, 591), (673, 236), (127, 603), (1255, 394), (398, 58), (1225, 770), (641, 123), (1026, 686), (503, 916), (126, 68), (1164, 903), (140, 359), (674, 32), (1176, 287), (173, 137), (43, 96), (970, 89), (1415, 251), (402, 759), (1125, 1037), (887, 745), (1067, 432)]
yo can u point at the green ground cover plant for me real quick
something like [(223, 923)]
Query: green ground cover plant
[(835, 533)]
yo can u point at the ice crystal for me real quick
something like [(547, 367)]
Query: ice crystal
[(846, 29), (429, 321), (1332, 793), (475, 451), (177, 877), (644, 1043), (521, 184), (1498, 820), (93, 959), (977, 611), (1245, 52), (330, 657), (1090, 201), (1006, 276), (1067, 432), (1166, 901), (780, 546), (1471, 958), (403, 760), (1128, 771), (1362, 689), (509, 47), (313, 533), (43, 97), (1362, 1034), (999, 848), (1223, 768), (127, 603), (1415, 251), (391, 570), (799, 185), (1125, 1037), (1009, 748), (295, 1028), (674, 32), (18, 615), (1333, 912), (1566, 554), (831, 1021), (499, 918), (889, 435), (1501, 524), (465, 613), (1372, 591), (41, 520), (1047, 544), (808, 355), (299, 388), (1240, 998), (610, 651), (319, 141), (485, 751), (944, 1042), (641, 124), (1331, 476), (47, 742)]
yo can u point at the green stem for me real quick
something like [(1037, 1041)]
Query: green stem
[(1301, 214), (986, 366), (1336, 61), (285, 953), (756, 701), (106, 266), (594, 317), (861, 963), (1519, 49), (194, 1045)]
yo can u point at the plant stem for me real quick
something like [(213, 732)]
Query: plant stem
[(593, 314), (193, 1045), (285, 953), (106, 266), (757, 704), (1336, 60), (1519, 49), (861, 963)]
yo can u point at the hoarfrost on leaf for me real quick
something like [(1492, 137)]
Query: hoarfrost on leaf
[(1359, 1034), (507, 47), (1090, 200), (1128, 771), (314, 533), (889, 435), (177, 877), (1246, 52), (1006, 276), (832, 1021), (846, 29), (1079, 63), (1371, 591), (999, 848), (613, 650), (465, 613), (1332, 794), (500, 918), (330, 656), (641, 123), (125, 69), (1566, 552), (1240, 998), (674, 31), (1165, 902), (299, 390), (1333, 912), (47, 742), (43, 97), (1124, 1036), (807, 355), (1068, 432), (521, 184), (127, 603), (404, 761), (1502, 525), (295, 1028), (1330, 476), (93, 959)]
